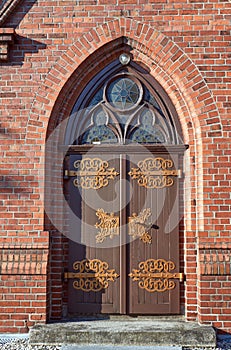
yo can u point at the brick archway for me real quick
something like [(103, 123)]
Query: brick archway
[(183, 83), (170, 66)]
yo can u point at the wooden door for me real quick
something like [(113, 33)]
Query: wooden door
[(124, 252), (153, 254), (94, 251)]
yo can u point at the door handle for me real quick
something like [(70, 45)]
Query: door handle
[(148, 227)]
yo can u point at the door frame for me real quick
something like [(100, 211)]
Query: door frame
[(126, 149)]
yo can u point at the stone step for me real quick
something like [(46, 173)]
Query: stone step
[(135, 332), (119, 347)]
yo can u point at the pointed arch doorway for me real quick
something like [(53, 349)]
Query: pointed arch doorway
[(122, 178)]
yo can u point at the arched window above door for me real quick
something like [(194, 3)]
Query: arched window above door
[(122, 106)]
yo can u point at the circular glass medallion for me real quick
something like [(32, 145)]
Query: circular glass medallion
[(123, 93)]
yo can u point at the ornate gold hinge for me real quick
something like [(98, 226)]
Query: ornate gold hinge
[(154, 276), (138, 225), (108, 225), (91, 275), (91, 173), (70, 173), (154, 173)]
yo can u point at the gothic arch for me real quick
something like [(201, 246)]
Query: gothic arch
[(170, 66), (172, 69)]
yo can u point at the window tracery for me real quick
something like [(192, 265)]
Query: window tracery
[(121, 110)]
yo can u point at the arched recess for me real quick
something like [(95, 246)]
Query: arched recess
[(122, 102), (122, 118), (167, 62), (164, 60)]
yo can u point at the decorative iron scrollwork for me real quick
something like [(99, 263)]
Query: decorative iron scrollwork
[(154, 276), (154, 173), (92, 173), (92, 275), (138, 225), (108, 225)]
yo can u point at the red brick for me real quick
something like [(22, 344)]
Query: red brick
[(189, 59)]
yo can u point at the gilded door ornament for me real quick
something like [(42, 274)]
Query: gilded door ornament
[(91, 275), (138, 225), (155, 276), (108, 225), (92, 173), (154, 173)]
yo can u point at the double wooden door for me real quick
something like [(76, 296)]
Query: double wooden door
[(124, 246)]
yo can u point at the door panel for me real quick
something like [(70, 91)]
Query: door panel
[(96, 204), (148, 295), (126, 234)]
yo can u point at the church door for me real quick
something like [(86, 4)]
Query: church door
[(122, 179)]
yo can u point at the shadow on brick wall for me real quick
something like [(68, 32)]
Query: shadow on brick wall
[(23, 48)]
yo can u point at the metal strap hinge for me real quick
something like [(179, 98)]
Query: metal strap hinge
[(180, 276), (70, 173), (68, 275), (91, 275), (154, 275)]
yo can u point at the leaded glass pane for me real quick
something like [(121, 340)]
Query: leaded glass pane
[(140, 135), (98, 97), (100, 117), (99, 134), (123, 93), (150, 98), (148, 131)]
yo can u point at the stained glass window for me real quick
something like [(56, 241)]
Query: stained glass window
[(99, 132), (148, 131), (121, 109), (151, 99), (123, 93), (97, 98)]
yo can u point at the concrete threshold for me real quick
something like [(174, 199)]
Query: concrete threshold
[(125, 331)]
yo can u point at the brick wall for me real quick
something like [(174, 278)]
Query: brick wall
[(58, 46), (23, 286)]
